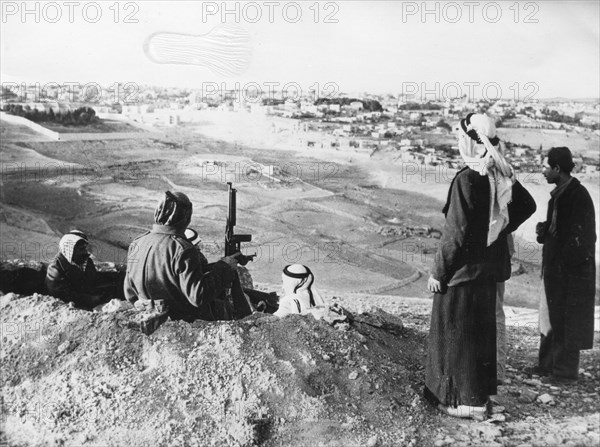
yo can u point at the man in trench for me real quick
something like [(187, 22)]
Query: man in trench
[(72, 275), (163, 265)]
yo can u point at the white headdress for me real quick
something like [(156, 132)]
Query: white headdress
[(298, 282), (67, 244), (477, 132)]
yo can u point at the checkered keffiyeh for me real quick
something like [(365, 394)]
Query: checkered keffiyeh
[(67, 245)]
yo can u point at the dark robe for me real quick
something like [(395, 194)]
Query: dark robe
[(71, 283), (569, 267), (461, 363)]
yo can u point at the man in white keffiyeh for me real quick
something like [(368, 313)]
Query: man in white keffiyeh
[(461, 369), (481, 151), (299, 293)]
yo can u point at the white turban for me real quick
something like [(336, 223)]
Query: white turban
[(299, 293), (476, 134)]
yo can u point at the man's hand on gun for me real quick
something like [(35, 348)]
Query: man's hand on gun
[(231, 260)]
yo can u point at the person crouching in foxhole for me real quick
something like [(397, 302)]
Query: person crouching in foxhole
[(299, 293), (72, 275)]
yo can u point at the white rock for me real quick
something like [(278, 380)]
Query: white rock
[(489, 431), (579, 428), (9, 297), (545, 398), (553, 439), (496, 409), (63, 346), (353, 375), (497, 418)]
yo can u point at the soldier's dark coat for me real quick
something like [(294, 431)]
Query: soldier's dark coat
[(569, 266), (163, 265)]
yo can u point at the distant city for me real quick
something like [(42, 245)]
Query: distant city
[(418, 130)]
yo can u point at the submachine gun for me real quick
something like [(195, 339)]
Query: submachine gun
[(233, 241), (265, 302)]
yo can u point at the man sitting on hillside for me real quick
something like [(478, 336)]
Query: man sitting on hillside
[(299, 295), (163, 265)]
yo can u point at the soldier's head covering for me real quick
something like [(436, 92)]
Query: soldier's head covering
[(481, 151), (79, 233), (299, 280), (67, 245), (477, 132), (175, 210)]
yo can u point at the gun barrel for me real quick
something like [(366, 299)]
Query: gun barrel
[(231, 212)]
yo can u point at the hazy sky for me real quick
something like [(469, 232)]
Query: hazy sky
[(374, 46)]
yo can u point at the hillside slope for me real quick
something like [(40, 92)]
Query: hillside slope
[(71, 377)]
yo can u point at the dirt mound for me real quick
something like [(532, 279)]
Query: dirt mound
[(71, 377), (75, 378)]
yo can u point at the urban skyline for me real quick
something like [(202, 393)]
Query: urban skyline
[(374, 47)]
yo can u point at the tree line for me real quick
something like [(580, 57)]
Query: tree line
[(81, 116)]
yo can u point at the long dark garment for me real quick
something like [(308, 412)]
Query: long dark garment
[(461, 365)]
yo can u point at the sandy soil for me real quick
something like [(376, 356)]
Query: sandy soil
[(71, 377)]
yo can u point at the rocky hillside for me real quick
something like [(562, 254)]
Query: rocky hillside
[(71, 377)]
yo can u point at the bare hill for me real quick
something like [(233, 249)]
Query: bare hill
[(71, 377)]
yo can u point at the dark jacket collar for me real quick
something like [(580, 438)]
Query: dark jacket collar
[(573, 183)]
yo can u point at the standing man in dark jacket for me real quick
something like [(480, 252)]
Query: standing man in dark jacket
[(163, 265), (568, 269)]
